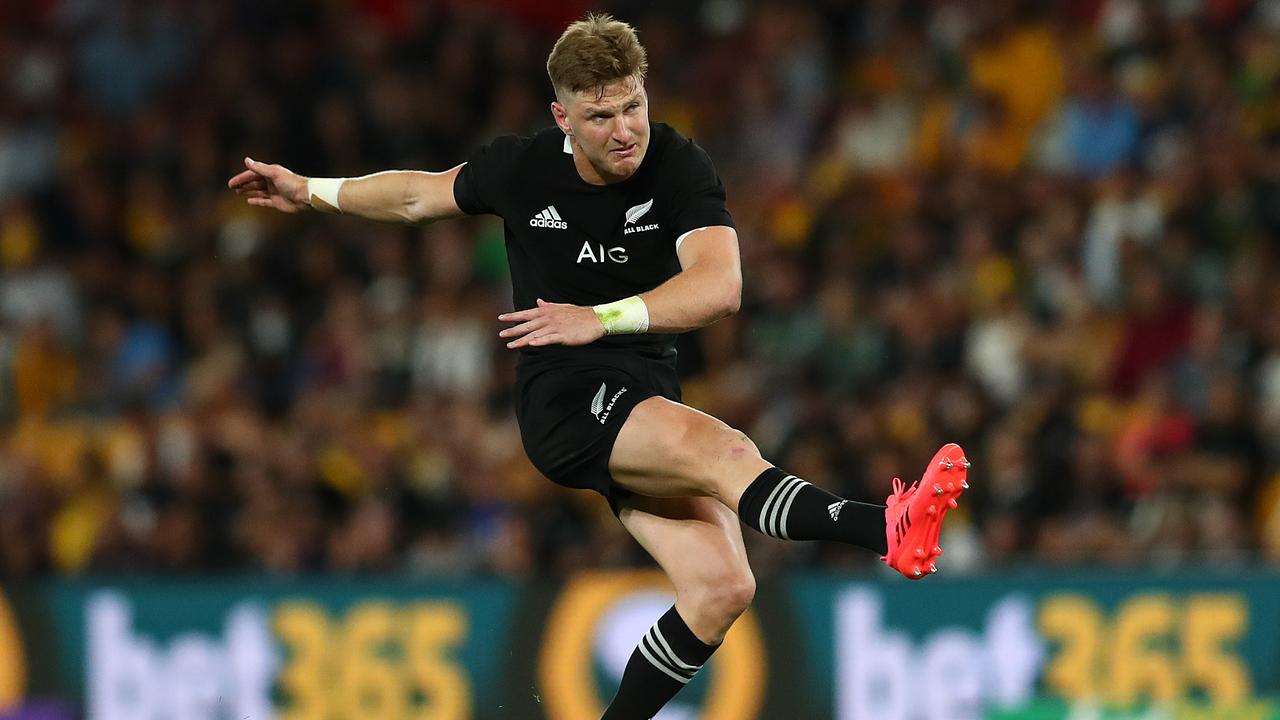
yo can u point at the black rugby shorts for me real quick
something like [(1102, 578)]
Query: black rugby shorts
[(571, 409)]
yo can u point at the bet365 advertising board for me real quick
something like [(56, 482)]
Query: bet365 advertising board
[(1035, 646)]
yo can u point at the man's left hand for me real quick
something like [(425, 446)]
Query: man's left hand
[(552, 324)]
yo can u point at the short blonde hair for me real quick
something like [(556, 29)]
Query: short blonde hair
[(594, 52)]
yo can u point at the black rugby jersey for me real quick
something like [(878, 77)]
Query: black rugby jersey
[(569, 241)]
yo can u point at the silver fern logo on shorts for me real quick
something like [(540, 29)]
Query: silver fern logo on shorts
[(597, 403), (598, 406)]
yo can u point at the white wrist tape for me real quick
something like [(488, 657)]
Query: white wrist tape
[(627, 316), (322, 193)]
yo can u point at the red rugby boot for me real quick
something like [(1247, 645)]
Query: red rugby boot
[(914, 515)]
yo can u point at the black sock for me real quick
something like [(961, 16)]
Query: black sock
[(784, 506), (664, 661)]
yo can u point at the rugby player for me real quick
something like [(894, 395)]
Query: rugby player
[(618, 238)]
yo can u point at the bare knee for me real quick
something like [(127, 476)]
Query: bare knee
[(733, 445), (715, 602), (737, 593), (711, 451)]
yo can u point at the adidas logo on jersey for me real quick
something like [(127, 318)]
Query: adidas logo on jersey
[(549, 218)]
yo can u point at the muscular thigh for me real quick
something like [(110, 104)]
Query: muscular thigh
[(667, 449), (696, 540)]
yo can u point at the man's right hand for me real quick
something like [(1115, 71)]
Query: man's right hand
[(272, 186)]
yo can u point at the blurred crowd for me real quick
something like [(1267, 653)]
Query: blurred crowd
[(1045, 229)]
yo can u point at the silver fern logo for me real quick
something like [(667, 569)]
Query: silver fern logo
[(637, 212), (598, 406), (597, 403)]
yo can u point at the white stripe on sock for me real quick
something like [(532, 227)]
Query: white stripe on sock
[(656, 663), (671, 654), (782, 524), (764, 511), (652, 646), (775, 512)]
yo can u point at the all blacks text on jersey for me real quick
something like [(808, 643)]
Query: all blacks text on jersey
[(639, 228), (635, 213)]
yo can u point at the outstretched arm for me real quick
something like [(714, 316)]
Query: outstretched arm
[(708, 288), (407, 196)]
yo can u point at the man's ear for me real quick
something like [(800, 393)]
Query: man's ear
[(561, 115)]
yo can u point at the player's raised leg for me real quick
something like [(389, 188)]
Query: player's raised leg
[(666, 448), (698, 543)]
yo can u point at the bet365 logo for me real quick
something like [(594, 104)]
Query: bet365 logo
[(876, 664)]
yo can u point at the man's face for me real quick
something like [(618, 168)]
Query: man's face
[(611, 129)]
